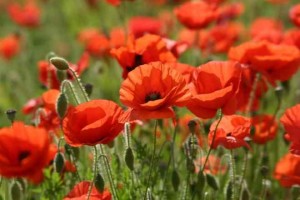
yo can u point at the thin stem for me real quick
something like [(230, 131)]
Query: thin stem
[(94, 173), (75, 75), (253, 94), (232, 165), (244, 169), (71, 88), (109, 173), (152, 159), (220, 115), (185, 192)]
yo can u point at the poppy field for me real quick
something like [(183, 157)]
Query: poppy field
[(149, 99)]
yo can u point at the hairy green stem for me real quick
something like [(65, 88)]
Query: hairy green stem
[(152, 159), (75, 75), (220, 115), (232, 175), (94, 173), (109, 173)]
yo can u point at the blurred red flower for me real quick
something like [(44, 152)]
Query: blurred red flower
[(27, 15), (195, 14), (287, 170), (140, 25), (80, 192), (23, 152), (143, 50), (231, 132), (267, 29), (151, 89), (275, 62), (213, 166), (265, 128), (214, 86), (294, 14), (291, 123), (10, 46), (91, 123)]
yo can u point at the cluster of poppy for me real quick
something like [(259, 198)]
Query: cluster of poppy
[(155, 82)]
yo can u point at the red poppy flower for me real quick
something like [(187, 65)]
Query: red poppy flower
[(265, 128), (140, 25), (32, 105), (47, 72), (150, 90), (291, 123), (213, 165), (220, 38), (245, 89), (80, 192), (231, 132), (267, 29), (228, 12), (292, 37), (93, 122), (287, 170), (195, 14), (143, 50), (9, 46), (275, 62), (214, 86), (49, 99), (28, 157), (27, 15), (294, 14), (185, 70)]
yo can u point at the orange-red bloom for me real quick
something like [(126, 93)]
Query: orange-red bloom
[(195, 14), (140, 25), (143, 50), (213, 165), (93, 122), (220, 38), (9, 46), (291, 123), (150, 90), (267, 29), (214, 86), (23, 151), (265, 128), (80, 192), (287, 170), (276, 62), (28, 15), (231, 132), (295, 14)]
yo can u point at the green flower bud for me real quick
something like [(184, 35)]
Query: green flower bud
[(59, 63)]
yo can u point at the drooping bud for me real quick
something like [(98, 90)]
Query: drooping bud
[(11, 115), (59, 162), (212, 182), (129, 158), (16, 191), (61, 105), (192, 126), (88, 88), (59, 63), (175, 180), (99, 183)]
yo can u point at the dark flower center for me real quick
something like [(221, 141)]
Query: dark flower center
[(228, 134), (23, 155), (152, 96), (138, 60)]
